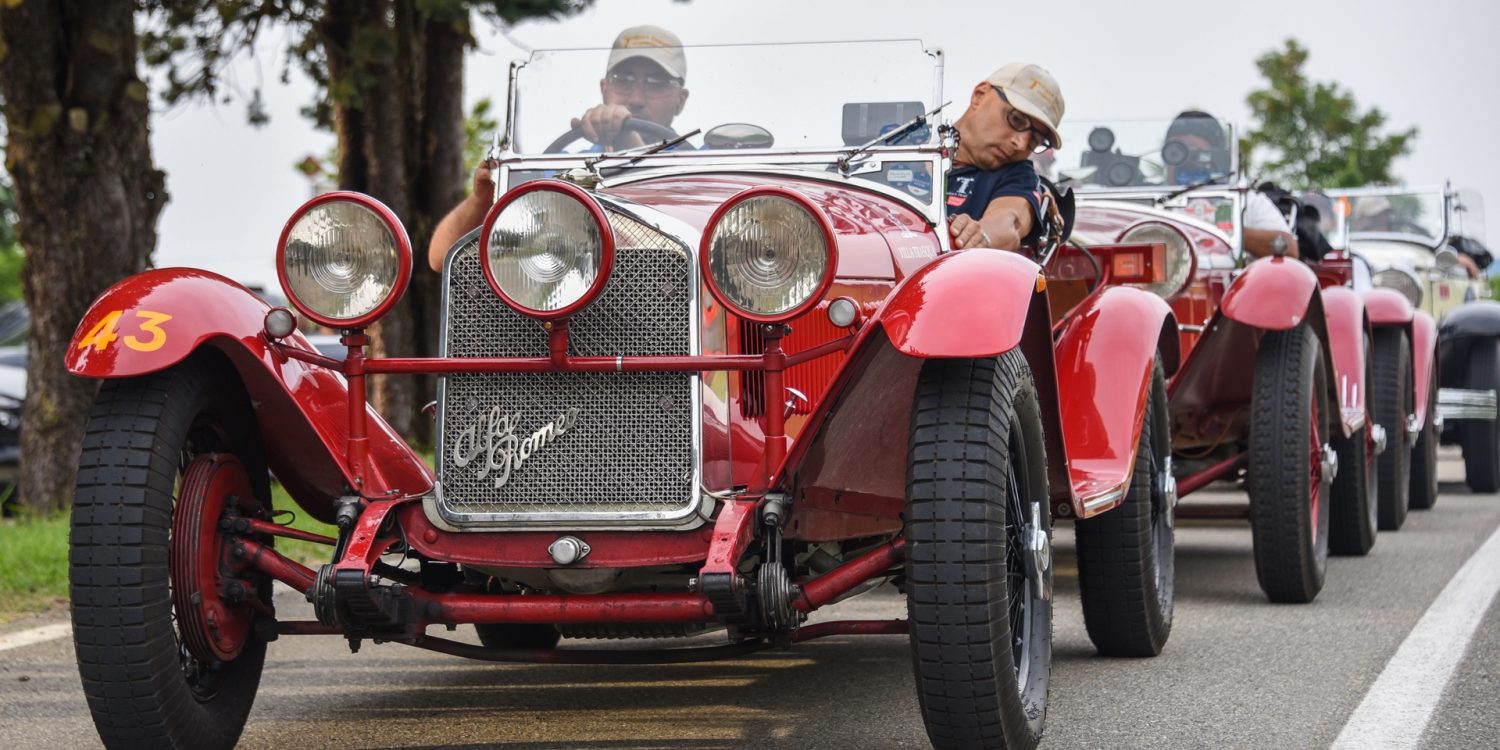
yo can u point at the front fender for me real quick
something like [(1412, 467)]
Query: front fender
[(1475, 319), (303, 409), (963, 305), (1387, 307), (1105, 353), (1271, 294), (1344, 317), (1424, 338)]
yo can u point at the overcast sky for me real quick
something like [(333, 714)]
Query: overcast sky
[(1434, 64)]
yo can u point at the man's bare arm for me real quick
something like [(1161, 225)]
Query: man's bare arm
[(1005, 222), (464, 217)]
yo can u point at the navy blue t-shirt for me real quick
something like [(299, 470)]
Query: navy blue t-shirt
[(970, 190)]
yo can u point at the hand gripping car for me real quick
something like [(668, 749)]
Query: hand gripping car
[(1427, 245), (681, 390), (1274, 379)]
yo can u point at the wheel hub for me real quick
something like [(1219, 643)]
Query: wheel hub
[(1330, 462), (1166, 481), (1377, 434), (1038, 554), (213, 607), (1413, 428)]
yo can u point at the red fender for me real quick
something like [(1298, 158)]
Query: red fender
[(1344, 313), (1424, 338), (965, 304), (1387, 307), (1271, 294), (162, 316), (1105, 351)]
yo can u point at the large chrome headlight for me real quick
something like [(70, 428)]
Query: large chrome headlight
[(547, 248), (344, 259), (1402, 281), (1177, 258), (768, 254)]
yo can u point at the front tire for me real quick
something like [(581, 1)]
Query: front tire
[(1424, 481), (1126, 556), (978, 554), (1355, 493), (1481, 437), (1287, 483), (1391, 391), (149, 442)]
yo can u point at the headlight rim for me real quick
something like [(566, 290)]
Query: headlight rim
[(1187, 242), (403, 265), (831, 251), (606, 254)]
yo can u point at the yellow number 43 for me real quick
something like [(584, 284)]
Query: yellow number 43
[(106, 331)]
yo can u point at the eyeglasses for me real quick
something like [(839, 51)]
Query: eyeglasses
[(1019, 122), (651, 85)]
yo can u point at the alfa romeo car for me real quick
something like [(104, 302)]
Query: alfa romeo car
[(710, 386)]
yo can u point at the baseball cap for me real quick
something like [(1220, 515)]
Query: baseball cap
[(1033, 91), (653, 43)]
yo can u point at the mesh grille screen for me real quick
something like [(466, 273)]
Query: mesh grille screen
[(626, 440)]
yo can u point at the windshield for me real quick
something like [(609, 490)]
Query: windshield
[(1371, 211), (804, 95), (1160, 153)]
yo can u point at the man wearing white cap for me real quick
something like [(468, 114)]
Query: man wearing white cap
[(994, 195), (643, 80)]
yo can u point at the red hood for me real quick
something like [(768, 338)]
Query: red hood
[(878, 238)]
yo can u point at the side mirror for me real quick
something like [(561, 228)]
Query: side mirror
[(732, 135)]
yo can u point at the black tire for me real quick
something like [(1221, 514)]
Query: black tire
[(1481, 437), (1355, 493), (1288, 489), (977, 462), (144, 687), (518, 635), (1424, 481), (1391, 394), (1126, 558)]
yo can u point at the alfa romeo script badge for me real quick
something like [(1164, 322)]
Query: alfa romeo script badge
[(492, 441)]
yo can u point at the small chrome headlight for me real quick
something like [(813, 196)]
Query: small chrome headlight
[(768, 254), (1178, 258), (1402, 281), (547, 248), (344, 259)]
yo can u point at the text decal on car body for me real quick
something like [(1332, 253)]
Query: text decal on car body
[(106, 331), (494, 435)]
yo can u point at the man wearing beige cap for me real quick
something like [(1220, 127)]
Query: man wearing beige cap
[(994, 195), (643, 80)]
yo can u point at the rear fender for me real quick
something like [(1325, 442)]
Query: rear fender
[(963, 305), (1105, 352), (162, 316), (1348, 337), (1271, 294), (1423, 353)]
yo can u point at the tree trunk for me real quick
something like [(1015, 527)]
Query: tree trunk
[(88, 197), (400, 135)]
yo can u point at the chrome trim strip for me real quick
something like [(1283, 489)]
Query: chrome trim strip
[(1107, 498), (1466, 403)]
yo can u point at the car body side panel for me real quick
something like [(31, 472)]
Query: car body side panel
[(1105, 352), (302, 408), (1344, 314), (1271, 294), (965, 304)]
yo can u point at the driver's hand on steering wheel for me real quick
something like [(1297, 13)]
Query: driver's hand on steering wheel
[(602, 125)]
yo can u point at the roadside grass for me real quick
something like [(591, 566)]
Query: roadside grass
[(33, 565)]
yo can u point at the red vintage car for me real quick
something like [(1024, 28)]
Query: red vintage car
[(1289, 376), (682, 389)]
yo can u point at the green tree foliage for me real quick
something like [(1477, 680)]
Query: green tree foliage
[(10, 251), (1309, 134), (479, 132)]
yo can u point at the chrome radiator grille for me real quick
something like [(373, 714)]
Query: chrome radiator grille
[(621, 446)]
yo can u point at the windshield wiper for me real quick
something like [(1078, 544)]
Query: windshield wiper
[(1190, 187), (850, 155), (639, 152)]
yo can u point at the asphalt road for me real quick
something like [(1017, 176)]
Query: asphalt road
[(1237, 673)]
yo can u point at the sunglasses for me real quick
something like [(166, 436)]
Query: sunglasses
[(651, 85), (1019, 122)]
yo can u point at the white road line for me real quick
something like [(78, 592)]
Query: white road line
[(1396, 710), (35, 635)]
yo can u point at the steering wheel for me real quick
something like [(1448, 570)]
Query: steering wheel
[(646, 129)]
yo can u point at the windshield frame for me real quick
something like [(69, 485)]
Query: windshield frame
[(1078, 130), (1149, 198)]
